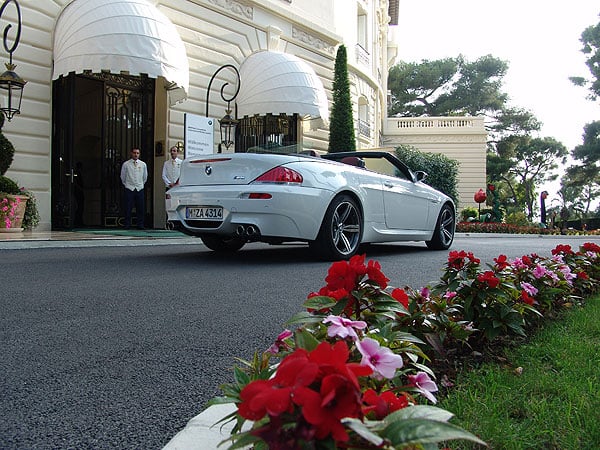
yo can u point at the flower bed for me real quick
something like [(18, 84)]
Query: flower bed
[(497, 227), (354, 372)]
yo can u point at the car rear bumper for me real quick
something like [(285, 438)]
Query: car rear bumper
[(292, 211)]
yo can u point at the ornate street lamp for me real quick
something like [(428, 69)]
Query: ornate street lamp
[(9, 81), (227, 124)]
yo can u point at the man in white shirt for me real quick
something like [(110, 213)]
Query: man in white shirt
[(134, 174), (171, 169)]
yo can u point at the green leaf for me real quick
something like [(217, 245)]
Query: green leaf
[(319, 302), (241, 377), (424, 431), (240, 440), (306, 340), (420, 412), (304, 317), (362, 430)]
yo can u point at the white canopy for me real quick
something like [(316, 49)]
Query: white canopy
[(120, 36), (273, 82)]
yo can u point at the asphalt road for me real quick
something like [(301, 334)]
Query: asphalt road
[(118, 347)]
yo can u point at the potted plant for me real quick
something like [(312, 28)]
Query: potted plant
[(18, 207)]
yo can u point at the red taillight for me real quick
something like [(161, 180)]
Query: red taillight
[(259, 196), (280, 175)]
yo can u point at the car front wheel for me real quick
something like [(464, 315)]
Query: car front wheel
[(341, 230), (444, 229), (222, 244)]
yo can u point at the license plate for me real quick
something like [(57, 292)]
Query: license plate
[(204, 212)]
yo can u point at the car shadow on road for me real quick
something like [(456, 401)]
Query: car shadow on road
[(291, 254)]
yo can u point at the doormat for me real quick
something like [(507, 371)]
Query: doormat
[(134, 232)]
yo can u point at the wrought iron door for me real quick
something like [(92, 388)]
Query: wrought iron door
[(266, 133), (97, 120), (128, 123)]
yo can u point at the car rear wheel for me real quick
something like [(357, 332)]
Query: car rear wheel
[(223, 244), (444, 230), (341, 230)]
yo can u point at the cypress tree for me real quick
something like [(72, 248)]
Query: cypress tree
[(341, 127)]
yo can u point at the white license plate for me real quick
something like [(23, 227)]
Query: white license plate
[(204, 213)]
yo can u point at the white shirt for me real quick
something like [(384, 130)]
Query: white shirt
[(171, 170), (134, 174)]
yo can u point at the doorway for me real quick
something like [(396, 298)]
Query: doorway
[(97, 120)]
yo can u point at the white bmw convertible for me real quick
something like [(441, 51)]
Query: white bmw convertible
[(334, 203)]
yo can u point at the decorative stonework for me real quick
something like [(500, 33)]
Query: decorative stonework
[(237, 8), (311, 40)]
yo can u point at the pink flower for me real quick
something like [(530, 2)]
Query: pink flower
[(530, 289), (382, 360), (424, 385), (450, 295), (539, 271), (279, 343), (342, 327)]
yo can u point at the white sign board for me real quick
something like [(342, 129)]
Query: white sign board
[(198, 135)]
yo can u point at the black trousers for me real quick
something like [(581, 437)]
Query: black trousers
[(134, 198)]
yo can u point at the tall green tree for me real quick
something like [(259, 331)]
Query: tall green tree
[(524, 163), (584, 176), (341, 127), (456, 86), (590, 39)]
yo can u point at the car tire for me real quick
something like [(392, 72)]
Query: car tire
[(223, 244), (341, 230), (444, 229)]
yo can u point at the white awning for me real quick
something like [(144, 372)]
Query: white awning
[(275, 83), (121, 36)]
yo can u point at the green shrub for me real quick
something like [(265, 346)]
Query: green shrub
[(8, 186), (442, 172), (7, 153), (517, 218), (468, 212)]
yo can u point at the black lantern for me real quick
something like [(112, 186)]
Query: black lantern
[(227, 124), (9, 81)]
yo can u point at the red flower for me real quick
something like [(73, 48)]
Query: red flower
[(339, 393), (336, 399), (562, 248), (321, 382), (346, 274), (583, 275), (488, 278), (591, 247), (526, 298), (501, 262), (456, 260), (384, 404), (401, 296), (274, 396), (374, 273)]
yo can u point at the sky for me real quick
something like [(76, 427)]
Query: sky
[(538, 38)]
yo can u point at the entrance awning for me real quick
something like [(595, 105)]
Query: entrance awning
[(275, 83), (130, 36)]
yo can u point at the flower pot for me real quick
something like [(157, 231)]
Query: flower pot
[(11, 220)]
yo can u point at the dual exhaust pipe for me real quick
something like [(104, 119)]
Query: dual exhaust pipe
[(247, 231)]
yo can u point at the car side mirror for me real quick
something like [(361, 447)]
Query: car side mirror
[(420, 175)]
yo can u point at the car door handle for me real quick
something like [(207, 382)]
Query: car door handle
[(388, 184)]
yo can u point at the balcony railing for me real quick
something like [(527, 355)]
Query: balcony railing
[(438, 122), (362, 56), (364, 129)]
